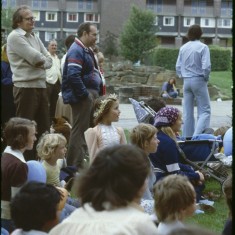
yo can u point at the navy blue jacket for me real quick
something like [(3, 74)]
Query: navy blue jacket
[(79, 74), (167, 159), (6, 78)]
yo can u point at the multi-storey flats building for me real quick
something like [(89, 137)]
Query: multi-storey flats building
[(58, 18), (173, 17)]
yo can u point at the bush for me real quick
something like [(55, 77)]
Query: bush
[(166, 58), (220, 58)]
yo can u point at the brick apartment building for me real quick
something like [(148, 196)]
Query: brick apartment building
[(59, 18)]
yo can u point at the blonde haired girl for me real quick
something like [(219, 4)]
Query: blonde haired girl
[(50, 148), (144, 137)]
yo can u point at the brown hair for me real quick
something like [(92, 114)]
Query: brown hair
[(221, 131), (17, 17), (69, 41), (16, 132), (194, 32), (156, 103), (84, 27), (102, 106), (141, 133), (174, 193), (115, 177)]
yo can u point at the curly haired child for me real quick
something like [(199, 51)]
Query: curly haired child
[(106, 111), (50, 148)]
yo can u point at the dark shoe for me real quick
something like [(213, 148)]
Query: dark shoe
[(207, 208)]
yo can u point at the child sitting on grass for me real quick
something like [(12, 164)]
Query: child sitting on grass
[(175, 200), (50, 148), (20, 135), (36, 207)]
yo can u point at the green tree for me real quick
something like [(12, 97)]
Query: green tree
[(109, 45), (6, 19), (138, 36)]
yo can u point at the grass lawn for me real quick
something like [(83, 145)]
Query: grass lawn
[(223, 80), (214, 221)]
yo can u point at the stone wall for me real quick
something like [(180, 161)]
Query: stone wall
[(140, 82)]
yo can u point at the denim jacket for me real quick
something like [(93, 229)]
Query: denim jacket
[(79, 74)]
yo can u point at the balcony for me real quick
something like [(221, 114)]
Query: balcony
[(204, 12)]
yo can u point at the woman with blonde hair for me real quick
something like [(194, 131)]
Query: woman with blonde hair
[(167, 159)]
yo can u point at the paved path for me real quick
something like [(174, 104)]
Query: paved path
[(221, 114)]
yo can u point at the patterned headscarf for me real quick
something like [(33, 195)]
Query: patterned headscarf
[(166, 116)]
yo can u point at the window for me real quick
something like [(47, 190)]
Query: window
[(12, 3), (51, 16), (207, 22), (35, 3), (168, 21), (225, 23), (159, 6), (85, 4), (4, 3), (198, 7), (226, 8), (39, 3), (154, 5), (43, 3), (72, 17), (8, 3), (188, 21), (88, 17), (36, 14), (49, 36), (89, 4)]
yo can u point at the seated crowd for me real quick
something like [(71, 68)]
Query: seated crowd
[(135, 181)]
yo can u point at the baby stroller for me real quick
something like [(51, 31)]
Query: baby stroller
[(197, 153)]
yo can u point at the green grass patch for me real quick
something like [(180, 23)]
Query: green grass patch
[(214, 221), (223, 80)]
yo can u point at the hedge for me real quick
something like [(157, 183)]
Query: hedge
[(166, 57)]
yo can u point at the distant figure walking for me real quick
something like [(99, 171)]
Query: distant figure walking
[(194, 66)]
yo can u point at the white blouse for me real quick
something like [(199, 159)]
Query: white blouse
[(130, 220)]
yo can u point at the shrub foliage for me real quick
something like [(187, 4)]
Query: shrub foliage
[(166, 57)]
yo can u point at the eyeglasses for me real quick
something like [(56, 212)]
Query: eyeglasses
[(30, 18)]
